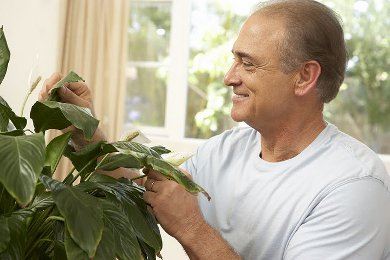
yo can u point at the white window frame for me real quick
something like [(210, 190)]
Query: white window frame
[(176, 97)]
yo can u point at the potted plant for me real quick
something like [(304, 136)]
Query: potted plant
[(99, 218)]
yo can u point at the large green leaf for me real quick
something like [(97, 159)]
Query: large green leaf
[(22, 162), (6, 114), (7, 202), (175, 174), (17, 244), (55, 149), (160, 149), (71, 77), (81, 158), (4, 55), (126, 147), (73, 251), (83, 217), (107, 247), (4, 234), (55, 115), (115, 161), (126, 244), (133, 206)]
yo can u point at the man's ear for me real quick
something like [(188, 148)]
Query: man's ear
[(307, 77)]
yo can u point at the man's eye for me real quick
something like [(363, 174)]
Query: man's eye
[(247, 64)]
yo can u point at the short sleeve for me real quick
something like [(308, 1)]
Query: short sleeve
[(190, 165), (351, 222)]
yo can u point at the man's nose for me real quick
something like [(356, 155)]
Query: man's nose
[(231, 77)]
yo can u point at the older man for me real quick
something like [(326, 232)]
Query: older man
[(290, 186)]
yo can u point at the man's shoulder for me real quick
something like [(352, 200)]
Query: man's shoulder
[(356, 158)]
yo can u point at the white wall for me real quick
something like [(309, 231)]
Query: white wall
[(31, 28)]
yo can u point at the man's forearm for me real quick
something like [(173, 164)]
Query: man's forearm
[(204, 242)]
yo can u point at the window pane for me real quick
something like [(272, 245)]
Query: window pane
[(214, 27), (149, 30), (146, 96)]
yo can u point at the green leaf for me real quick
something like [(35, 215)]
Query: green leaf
[(132, 147), (6, 114), (52, 184), (113, 162), (83, 217), (55, 149), (4, 55), (160, 149), (7, 202), (71, 77), (107, 247), (22, 163), (148, 252), (175, 174), (13, 133), (133, 206), (81, 158), (4, 234), (17, 244), (73, 251), (55, 115), (126, 244)]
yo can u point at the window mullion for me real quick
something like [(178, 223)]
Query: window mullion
[(176, 106)]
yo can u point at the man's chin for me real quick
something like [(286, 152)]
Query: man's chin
[(237, 116)]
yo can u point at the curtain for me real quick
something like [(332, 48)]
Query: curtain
[(94, 45)]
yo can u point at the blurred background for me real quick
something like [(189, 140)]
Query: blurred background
[(158, 65)]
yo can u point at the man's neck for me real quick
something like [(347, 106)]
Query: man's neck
[(280, 143)]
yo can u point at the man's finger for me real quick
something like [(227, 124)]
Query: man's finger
[(50, 82), (68, 96), (150, 198), (152, 185), (156, 175)]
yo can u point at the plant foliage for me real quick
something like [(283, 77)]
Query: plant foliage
[(99, 218)]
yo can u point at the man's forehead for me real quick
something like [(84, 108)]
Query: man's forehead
[(259, 32)]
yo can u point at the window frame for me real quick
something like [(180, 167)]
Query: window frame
[(176, 108)]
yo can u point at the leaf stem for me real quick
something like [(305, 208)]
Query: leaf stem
[(138, 177), (83, 170), (56, 218)]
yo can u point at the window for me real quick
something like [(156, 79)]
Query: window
[(180, 50)]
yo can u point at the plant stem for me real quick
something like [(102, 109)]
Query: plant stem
[(69, 175), (83, 170), (56, 218), (138, 177), (33, 86)]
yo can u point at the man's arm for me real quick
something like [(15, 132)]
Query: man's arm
[(178, 213), (351, 222)]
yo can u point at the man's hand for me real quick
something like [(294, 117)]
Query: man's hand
[(179, 215), (175, 209), (76, 93)]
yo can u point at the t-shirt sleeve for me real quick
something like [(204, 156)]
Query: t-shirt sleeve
[(190, 165), (351, 222)]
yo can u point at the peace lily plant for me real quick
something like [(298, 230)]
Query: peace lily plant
[(99, 218)]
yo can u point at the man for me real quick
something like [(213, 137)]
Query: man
[(290, 186)]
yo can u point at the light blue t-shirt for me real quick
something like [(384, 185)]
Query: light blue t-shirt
[(332, 201)]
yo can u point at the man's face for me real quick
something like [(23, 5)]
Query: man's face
[(262, 92)]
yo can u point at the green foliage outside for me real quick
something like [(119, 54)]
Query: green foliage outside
[(362, 107)]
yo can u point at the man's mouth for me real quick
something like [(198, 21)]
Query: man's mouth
[(240, 95)]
